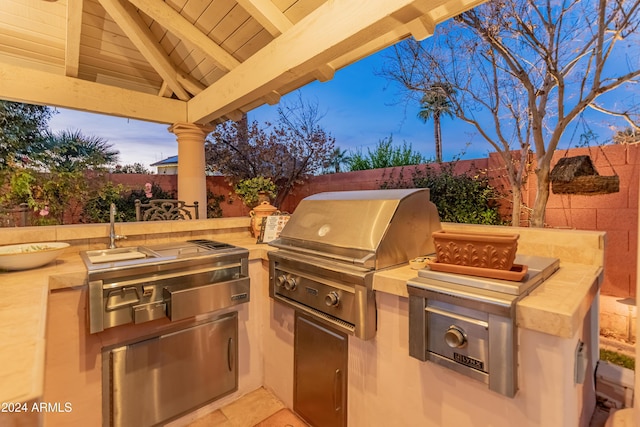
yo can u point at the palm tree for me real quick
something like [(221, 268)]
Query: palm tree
[(434, 104), (72, 151), (338, 157)]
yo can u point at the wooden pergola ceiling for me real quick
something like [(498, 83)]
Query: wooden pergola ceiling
[(197, 61)]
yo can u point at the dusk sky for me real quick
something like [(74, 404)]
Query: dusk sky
[(360, 109)]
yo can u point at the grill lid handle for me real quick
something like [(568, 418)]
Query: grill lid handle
[(366, 261)]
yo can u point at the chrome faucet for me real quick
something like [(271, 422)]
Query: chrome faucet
[(112, 228)]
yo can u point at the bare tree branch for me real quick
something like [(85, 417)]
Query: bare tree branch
[(523, 70)]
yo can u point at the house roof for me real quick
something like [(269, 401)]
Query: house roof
[(195, 61), (173, 160)]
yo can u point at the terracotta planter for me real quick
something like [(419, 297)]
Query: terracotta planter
[(476, 250), (264, 209)]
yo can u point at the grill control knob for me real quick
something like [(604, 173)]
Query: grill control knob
[(290, 284), (332, 299), (281, 280), (455, 337)]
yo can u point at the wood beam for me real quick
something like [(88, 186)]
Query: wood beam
[(21, 84), (324, 73), (179, 26), (72, 45), (332, 30), (421, 28), (235, 115), (272, 98), (267, 15), (190, 84), (127, 18)]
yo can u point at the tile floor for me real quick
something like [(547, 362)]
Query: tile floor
[(259, 408)]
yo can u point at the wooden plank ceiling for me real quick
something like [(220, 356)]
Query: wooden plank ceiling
[(199, 61)]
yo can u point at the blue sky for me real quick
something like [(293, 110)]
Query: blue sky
[(360, 109)]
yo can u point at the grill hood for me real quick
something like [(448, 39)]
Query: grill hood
[(371, 228)]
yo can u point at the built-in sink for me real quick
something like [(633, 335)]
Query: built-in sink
[(119, 254)]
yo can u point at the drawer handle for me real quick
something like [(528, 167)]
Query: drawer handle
[(230, 354), (121, 294), (337, 388)]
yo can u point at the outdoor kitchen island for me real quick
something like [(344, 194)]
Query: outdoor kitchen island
[(385, 385), (388, 387)]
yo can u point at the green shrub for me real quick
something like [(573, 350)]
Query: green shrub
[(385, 155), (214, 210), (618, 359), (459, 198), (96, 209), (249, 189)]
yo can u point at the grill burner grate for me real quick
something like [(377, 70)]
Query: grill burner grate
[(210, 244)]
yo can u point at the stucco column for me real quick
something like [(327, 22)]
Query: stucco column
[(192, 184)]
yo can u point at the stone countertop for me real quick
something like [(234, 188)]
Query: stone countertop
[(556, 307), (23, 314)]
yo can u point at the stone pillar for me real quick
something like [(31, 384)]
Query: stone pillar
[(192, 184)]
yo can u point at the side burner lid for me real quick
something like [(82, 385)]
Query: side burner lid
[(539, 270)]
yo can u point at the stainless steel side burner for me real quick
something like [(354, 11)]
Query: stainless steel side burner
[(467, 323), (173, 280)]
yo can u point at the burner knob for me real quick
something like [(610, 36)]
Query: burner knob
[(455, 337), (290, 284), (332, 299), (281, 280)]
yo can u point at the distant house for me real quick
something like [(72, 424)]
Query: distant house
[(168, 166)]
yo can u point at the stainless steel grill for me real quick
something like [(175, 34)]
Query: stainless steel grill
[(333, 244), (467, 323)]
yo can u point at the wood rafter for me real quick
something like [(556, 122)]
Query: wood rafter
[(74, 29), (332, 30), (173, 22), (267, 15), (77, 53), (127, 18)]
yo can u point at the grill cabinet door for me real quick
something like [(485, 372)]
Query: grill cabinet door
[(160, 378), (320, 373)]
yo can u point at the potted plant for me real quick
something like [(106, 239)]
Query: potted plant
[(253, 191), (257, 193)]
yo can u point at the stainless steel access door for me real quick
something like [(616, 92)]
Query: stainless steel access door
[(320, 373), (161, 378)]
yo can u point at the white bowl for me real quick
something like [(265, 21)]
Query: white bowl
[(30, 255)]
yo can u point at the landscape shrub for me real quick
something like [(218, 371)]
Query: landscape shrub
[(459, 198)]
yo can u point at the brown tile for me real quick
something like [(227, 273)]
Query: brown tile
[(282, 418)]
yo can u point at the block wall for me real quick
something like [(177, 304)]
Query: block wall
[(616, 213)]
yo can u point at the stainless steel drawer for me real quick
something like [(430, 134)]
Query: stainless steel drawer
[(189, 302)]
